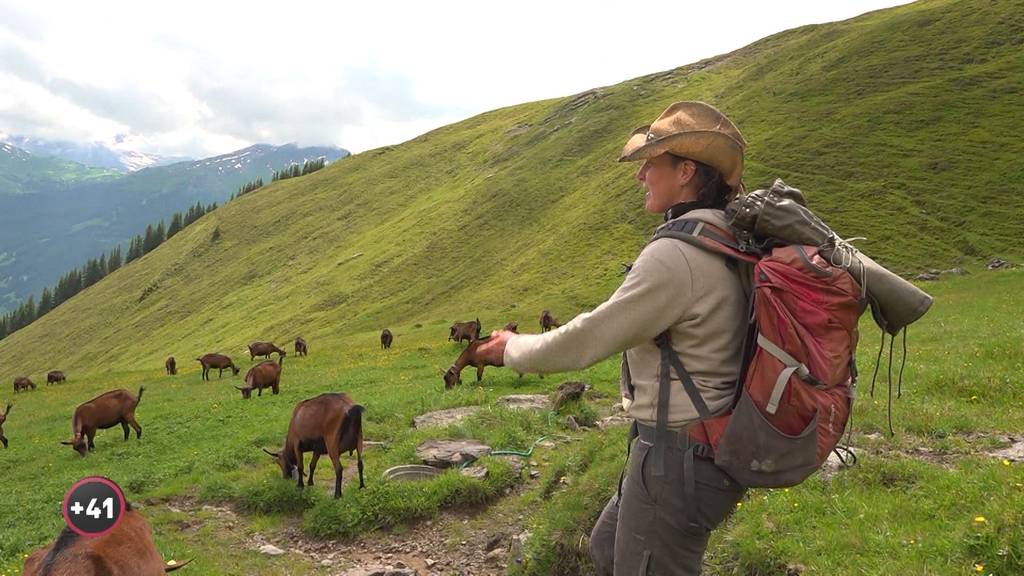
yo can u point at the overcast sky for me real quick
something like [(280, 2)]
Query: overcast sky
[(204, 78)]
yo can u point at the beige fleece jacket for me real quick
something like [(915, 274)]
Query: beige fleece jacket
[(672, 285)]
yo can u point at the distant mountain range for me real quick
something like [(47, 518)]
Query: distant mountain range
[(93, 154), (55, 213)]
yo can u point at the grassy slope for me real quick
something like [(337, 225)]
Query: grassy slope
[(492, 218), (883, 120)]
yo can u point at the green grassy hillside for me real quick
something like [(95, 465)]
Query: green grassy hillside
[(901, 126)]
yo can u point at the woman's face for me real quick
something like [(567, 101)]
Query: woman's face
[(665, 182)]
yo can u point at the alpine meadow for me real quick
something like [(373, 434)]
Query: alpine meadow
[(902, 127)]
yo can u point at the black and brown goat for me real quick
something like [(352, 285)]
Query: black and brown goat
[(386, 338), (171, 365), (23, 383), (104, 411), (218, 361), (264, 349), (266, 374), (55, 376), (127, 550), (301, 348), (460, 331), (469, 357), (328, 424), (512, 327), (547, 321), (3, 418)]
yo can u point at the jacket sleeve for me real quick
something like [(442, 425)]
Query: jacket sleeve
[(653, 297)]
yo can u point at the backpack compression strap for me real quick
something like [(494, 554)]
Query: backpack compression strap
[(708, 237)]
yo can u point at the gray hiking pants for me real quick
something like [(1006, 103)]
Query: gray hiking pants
[(654, 529)]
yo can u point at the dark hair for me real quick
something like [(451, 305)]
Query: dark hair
[(712, 191)]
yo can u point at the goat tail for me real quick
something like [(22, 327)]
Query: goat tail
[(352, 428), (139, 397)]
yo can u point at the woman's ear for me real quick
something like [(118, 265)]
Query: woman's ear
[(686, 171)]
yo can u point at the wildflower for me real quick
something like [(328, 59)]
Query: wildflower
[(980, 520), (979, 567), (1006, 462)]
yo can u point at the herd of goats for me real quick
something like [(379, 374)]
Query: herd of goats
[(330, 423)]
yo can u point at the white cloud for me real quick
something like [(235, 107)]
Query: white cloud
[(203, 78)]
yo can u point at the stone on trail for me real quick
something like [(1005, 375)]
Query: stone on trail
[(524, 402), (446, 453), (444, 417)]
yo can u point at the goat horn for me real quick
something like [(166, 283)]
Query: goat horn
[(176, 565), (271, 453)]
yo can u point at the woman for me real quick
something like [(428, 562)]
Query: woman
[(677, 301)]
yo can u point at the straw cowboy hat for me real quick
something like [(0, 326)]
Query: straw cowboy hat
[(693, 130)]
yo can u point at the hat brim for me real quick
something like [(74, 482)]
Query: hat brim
[(712, 148)]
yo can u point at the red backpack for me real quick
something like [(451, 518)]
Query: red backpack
[(794, 392)]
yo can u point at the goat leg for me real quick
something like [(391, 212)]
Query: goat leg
[(312, 466), (135, 426)]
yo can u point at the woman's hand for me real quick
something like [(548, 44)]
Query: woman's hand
[(493, 350)]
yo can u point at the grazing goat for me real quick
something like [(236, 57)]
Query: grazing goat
[(104, 411), (328, 424), (127, 550), (3, 418), (218, 361), (460, 331), (55, 376), (547, 321), (386, 338), (264, 349), (266, 374), (23, 383), (301, 348), (171, 365), (469, 357)]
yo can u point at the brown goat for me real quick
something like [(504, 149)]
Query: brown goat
[(104, 411), (23, 383), (512, 327), (328, 424), (127, 550), (386, 338), (55, 376), (301, 348), (171, 365), (460, 331), (547, 321), (3, 418), (264, 349), (266, 374), (468, 357), (218, 361)]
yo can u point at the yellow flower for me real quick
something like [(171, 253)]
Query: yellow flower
[(979, 567), (980, 519), (1006, 462), (973, 398)]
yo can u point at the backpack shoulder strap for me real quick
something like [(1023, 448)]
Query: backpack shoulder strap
[(704, 235)]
